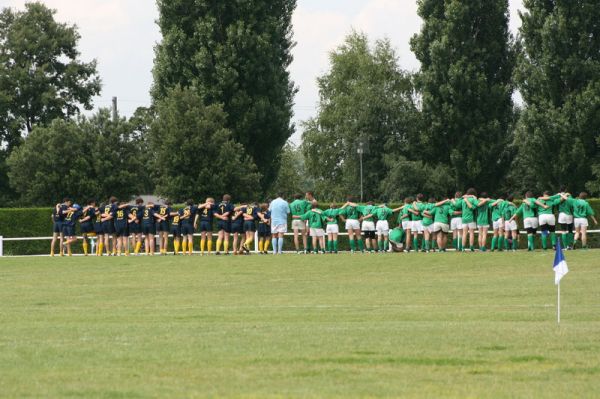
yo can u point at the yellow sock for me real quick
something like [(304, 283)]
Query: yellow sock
[(52, 252), (209, 244), (176, 245), (202, 245), (85, 247), (100, 248), (260, 245), (226, 246), (266, 245), (248, 242), (191, 248), (138, 246), (218, 245), (184, 247), (69, 251)]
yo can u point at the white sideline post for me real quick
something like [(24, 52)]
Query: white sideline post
[(1, 246), (558, 307), (256, 241)]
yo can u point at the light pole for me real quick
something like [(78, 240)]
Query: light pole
[(360, 152)]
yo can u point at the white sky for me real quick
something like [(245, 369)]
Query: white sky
[(121, 35)]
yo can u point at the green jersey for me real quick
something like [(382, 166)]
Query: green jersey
[(468, 214), (420, 207), (582, 209), (404, 214), (497, 209), (383, 213), (442, 213), (483, 214), (315, 218), (527, 208), (299, 207), (331, 213), (550, 204), (456, 206), (351, 212), (366, 210), (509, 210), (427, 214), (397, 235)]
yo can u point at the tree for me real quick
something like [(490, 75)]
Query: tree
[(467, 60), (558, 75), (292, 177), (366, 100), (194, 153), (83, 158), (235, 53)]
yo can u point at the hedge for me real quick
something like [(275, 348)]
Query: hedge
[(36, 222)]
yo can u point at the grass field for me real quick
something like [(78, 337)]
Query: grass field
[(411, 325)]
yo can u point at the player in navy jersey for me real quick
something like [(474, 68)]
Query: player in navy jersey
[(175, 229), (187, 219), (108, 226), (224, 212), (121, 222), (57, 222), (264, 229), (71, 216), (87, 224), (205, 216), (162, 225), (237, 230), (250, 213), (135, 224)]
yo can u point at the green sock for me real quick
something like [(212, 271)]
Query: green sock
[(500, 243), (544, 241), (380, 245), (494, 241), (434, 244), (571, 239), (329, 245), (361, 245), (415, 244), (553, 238), (515, 243), (386, 245), (352, 245), (426, 245), (530, 242), (460, 246), (335, 245), (454, 243)]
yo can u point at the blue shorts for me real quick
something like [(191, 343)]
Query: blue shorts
[(187, 229), (163, 225), (87, 227), (237, 228), (264, 233), (249, 226), (148, 229), (224, 225), (121, 230), (205, 226), (176, 231), (68, 230), (135, 228), (98, 229), (108, 227), (57, 227)]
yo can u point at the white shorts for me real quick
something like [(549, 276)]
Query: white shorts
[(368, 226), (498, 224), (406, 224), (563, 218), (280, 228), (443, 227), (581, 222), (382, 227), (352, 224), (332, 229), (428, 228), (481, 226), (417, 226), (530, 223), (456, 224), (298, 224), (471, 225), (511, 225), (317, 232), (549, 219)]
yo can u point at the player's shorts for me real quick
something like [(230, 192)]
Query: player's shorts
[(548, 219), (86, 228), (249, 226), (332, 229), (456, 224), (108, 227), (382, 227), (416, 226), (148, 229), (530, 223), (135, 228), (237, 228), (264, 233), (563, 218), (352, 224), (98, 229), (187, 229), (175, 231), (369, 234), (498, 224), (317, 232), (163, 225), (298, 224), (406, 224), (368, 226), (224, 226), (581, 222), (121, 230), (469, 225), (511, 225), (443, 227), (279, 229), (205, 226), (68, 230), (483, 226), (57, 227), (428, 228)]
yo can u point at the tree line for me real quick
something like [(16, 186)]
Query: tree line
[(222, 100)]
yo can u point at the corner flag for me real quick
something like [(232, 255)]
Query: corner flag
[(560, 264)]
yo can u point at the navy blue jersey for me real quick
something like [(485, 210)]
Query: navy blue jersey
[(148, 216), (263, 225), (250, 212), (109, 209), (56, 214), (91, 212), (188, 214), (70, 217), (121, 216), (176, 220), (136, 211), (98, 214), (237, 218), (206, 214), (162, 210), (225, 207)]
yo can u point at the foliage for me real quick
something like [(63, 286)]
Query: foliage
[(194, 153), (292, 177), (467, 61), (85, 158), (236, 53), (559, 78), (366, 99)]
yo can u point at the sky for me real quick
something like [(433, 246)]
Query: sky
[(121, 35)]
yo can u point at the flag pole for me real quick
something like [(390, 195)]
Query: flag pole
[(558, 307)]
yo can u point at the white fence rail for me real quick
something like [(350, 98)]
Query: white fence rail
[(93, 239)]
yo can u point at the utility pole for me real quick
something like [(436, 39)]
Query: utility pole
[(115, 114), (360, 152)]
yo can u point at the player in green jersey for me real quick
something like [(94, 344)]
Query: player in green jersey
[(456, 221), (406, 222), (442, 212), (383, 213), (497, 207), (469, 207), (528, 211), (511, 230), (367, 224), (332, 230), (483, 220), (299, 207), (547, 220), (417, 221), (426, 212), (350, 215), (397, 239), (581, 211), (316, 223), (565, 216)]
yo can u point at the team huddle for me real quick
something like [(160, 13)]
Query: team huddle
[(121, 228)]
